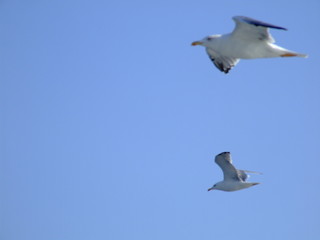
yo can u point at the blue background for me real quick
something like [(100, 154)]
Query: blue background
[(110, 122)]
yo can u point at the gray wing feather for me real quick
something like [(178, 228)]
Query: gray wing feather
[(242, 175), (249, 28), (225, 163), (224, 64)]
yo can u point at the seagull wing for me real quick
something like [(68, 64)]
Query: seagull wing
[(253, 30), (229, 171), (243, 174), (224, 64)]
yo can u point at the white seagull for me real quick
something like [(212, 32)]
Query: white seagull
[(233, 179), (250, 39)]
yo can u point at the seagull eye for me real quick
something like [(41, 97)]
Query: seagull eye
[(209, 38)]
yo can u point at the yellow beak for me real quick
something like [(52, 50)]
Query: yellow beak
[(196, 43)]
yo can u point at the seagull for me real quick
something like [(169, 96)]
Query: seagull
[(250, 39), (233, 179)]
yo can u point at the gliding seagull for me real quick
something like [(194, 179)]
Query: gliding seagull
[(250, 39), (233, 179)]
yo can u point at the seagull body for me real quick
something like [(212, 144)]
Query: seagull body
[(250, 39), (233, 179)]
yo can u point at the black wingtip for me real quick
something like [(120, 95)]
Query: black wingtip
[(220, 66), (259, 23), (223, 153)]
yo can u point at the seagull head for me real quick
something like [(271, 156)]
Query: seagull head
[(215, 187), (207, 41)]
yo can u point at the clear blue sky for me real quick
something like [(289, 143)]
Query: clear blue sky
[(110, 121)]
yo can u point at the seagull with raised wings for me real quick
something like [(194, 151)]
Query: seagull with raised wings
[(250, 39), (233, 179)]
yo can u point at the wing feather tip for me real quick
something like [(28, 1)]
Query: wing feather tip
[(223, 153), (256, 22)]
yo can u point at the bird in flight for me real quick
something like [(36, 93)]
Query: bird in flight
[(250, 39), (233, 179)]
